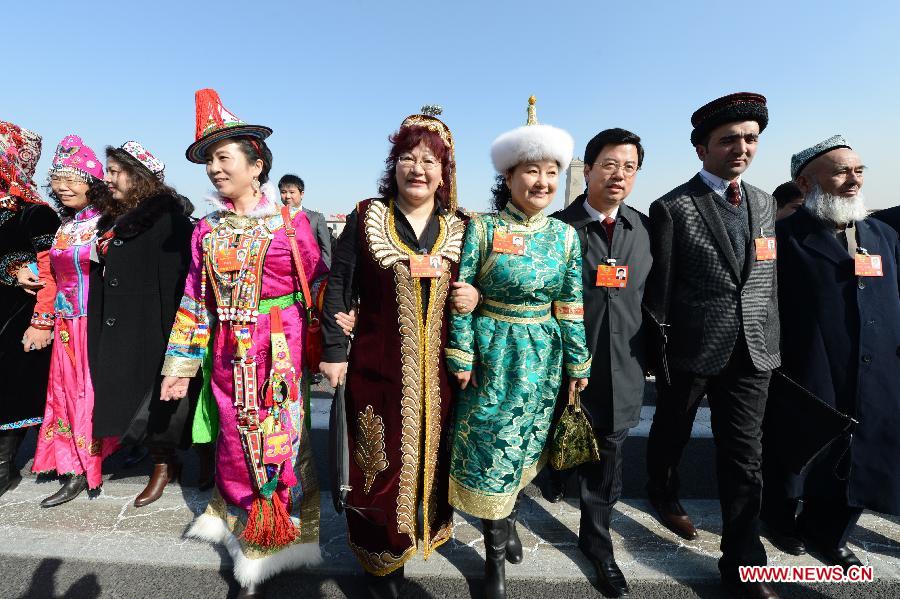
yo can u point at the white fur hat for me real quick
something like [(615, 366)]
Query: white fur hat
[(532, 142)]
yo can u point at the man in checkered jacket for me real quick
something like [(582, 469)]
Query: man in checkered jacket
[(713, 282)]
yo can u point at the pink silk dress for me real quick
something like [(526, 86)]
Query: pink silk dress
[(66, 443), (270, 276)]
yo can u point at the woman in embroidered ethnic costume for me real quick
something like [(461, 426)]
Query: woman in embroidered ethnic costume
[(243, 305), (509, 356), (66, 443), (27, 225), (397, 390)]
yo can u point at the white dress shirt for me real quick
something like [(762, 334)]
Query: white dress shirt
[(718, 184)]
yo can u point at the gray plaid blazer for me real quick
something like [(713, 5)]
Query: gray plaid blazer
[(697, 286)]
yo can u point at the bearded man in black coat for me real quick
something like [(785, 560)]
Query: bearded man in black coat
[(839, 300)]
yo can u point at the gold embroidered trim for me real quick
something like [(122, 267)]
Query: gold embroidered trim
[(380, 564), (458, 354), (569, 311), (432, 402), (579, 370), (386, 246), (491, 506), (483, 311), (409, 317), (181, 367), (532, 223), (515, 307), (369, 454)]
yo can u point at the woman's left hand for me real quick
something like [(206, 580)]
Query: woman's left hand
[(464, 297), (578, 385)]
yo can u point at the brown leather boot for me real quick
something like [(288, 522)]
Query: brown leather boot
[(166, 468)]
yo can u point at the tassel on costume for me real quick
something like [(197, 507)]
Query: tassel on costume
[(269, 525)]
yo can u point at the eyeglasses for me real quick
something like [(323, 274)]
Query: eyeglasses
[(428, 164), (628, 169)]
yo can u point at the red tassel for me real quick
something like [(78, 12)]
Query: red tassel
[(269, 525), (284, 530), (208, 102)]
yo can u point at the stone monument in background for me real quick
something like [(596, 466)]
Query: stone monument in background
[(574, 180)]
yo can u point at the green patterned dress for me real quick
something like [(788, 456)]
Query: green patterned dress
[(529, 324)]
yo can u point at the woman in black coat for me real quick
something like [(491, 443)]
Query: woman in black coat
[(144, 250)]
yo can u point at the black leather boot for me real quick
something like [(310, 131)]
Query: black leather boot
[(9, 445), (496, 533), (72, 488), (387, 586), (513, 544), (252, 591)]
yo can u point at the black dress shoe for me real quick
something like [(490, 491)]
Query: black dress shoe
[(73, 487), (751, 590), (839, 556), (252, 591), (610, 579), (786, 541)]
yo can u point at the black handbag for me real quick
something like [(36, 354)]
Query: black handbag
[(338, 451)]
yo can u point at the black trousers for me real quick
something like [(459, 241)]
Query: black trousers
[(737, 401), (600, 488)]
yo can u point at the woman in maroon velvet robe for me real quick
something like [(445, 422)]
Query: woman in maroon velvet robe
[(397, 391)]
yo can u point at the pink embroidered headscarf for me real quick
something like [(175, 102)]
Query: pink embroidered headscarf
[(75, 158)]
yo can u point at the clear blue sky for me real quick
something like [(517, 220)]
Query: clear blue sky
[(335, 79)]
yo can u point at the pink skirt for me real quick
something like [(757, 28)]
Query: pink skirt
[(65, 443)]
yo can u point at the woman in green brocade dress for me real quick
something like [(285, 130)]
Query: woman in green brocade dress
[(509, 355)]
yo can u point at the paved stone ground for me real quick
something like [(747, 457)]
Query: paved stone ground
[(101, 546)]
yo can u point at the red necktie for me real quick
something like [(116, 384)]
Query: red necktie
[(733, 194), (609, 224)]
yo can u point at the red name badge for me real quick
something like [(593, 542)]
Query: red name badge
[(612, 276), (425, 266), (227, 260), (766, 248), (509, 243), (277, 448), (868, 265)]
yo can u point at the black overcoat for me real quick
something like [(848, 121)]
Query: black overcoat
[(131, 308), (613, 321), (841, 340), (24, 232)]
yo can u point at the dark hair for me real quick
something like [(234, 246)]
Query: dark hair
[(294, 180), (144, 184), (501, 195), (612, 137), (405, 140), (256, 149), (787, 193), (98, 195)]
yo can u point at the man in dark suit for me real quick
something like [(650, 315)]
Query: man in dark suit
[(890, 216), (614, 235), (713, 281), (840, 315), (292, 190)]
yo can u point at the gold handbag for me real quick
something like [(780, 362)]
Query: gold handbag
[(573, 440)]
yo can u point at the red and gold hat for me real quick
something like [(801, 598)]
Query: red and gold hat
[(215, 123), (20, 150)]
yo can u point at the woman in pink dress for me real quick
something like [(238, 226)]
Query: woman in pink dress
[(243, 307), (66, 443)]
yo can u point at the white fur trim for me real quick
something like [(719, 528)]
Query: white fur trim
[(269, 205), (532, 142), (208, 528), (248, 570)]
